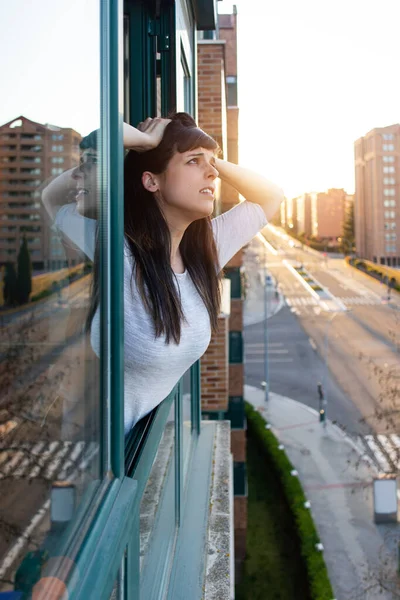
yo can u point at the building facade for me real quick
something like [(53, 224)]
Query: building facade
[(376, 205), (31, 153), (328, 214), (303, 214)]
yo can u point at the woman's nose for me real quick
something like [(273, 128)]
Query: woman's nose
[(213, 172)]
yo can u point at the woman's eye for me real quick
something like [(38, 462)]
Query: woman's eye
[(193, 160)]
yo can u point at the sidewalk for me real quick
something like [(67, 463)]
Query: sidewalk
[(359, 554)]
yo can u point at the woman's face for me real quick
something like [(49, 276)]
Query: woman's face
[(86, 184), (187, 187)]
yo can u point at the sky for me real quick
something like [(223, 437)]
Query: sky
[(313, 76)]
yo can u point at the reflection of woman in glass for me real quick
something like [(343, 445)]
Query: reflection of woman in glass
[(174, 251)]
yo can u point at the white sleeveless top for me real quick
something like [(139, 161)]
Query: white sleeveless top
[(152, 367)]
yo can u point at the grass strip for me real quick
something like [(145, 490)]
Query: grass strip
[(313, 560)]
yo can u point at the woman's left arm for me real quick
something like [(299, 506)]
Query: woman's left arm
[(252, 186)]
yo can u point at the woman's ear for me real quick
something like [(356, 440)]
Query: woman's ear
[(150, 182)]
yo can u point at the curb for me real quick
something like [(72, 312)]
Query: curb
[(345, 437)]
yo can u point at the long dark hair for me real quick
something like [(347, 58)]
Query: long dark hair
[(148, 236)]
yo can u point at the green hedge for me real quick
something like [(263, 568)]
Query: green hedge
[(320, 586)]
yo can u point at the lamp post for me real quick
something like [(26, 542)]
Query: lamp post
[(322, 391)]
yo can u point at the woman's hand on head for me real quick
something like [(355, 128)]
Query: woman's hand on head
[(147, 136)]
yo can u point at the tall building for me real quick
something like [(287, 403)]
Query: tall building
[(376, 205), (30, 153), (303, 214), (328, 213)]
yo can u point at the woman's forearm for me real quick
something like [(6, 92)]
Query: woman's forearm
[(252, 186), (60, 191)]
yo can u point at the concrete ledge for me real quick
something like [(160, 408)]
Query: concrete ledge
[(219, 583)]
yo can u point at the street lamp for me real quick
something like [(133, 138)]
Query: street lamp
[(322, 390)]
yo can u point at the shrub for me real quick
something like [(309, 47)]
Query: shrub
[(318, 580), (42, 294)]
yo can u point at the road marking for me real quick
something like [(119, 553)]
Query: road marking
[(389, 448), (380, 457), (312, 344), (12, 555)]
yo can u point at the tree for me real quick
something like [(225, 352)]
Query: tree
[(10, 285), (24, 277), (347, 241)]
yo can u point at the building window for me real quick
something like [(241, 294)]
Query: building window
[(231, 84), (56, 171), (57, 137), (388, 159), (388, 136), (57, 159), (388, 169), (389, 180), (58, 148), (389, 203), (389, 192), (388, 147)]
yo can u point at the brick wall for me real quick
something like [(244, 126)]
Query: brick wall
[(215, 369), (212, 115)]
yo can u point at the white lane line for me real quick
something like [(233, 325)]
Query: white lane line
[(312, 344), (43, 458), (35, 451), (260, 361), (56, 461), (262, 351), (378, 453), (268, 246), (288, 302), (92, 451), (21, 542), (395, 439), (11, 464), (387, 444), (71, 462)]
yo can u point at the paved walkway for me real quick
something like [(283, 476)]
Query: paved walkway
[(361, 556)]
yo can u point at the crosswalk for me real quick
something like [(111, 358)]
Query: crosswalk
[(255, 353), (382, 449), (300, 301), (47, 460)]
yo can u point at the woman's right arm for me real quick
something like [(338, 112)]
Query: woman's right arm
[(59, 191), (62, 189)]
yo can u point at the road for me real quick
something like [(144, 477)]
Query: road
[(49, 418), (355, 353)]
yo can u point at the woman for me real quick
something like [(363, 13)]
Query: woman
[(174, 252)]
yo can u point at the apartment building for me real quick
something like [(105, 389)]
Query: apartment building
[(328, 213), (30, 153), (376, 205), (303, 214)]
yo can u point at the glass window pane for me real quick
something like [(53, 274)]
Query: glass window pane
[(186, 421), (51, 417), (158, 515)]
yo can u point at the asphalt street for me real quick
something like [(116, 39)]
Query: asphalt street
[(353, 353)]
